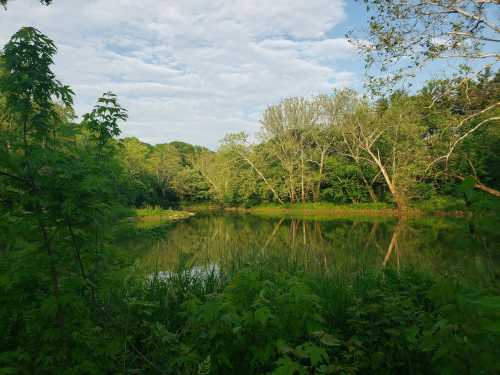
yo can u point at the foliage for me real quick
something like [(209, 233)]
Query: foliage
[(58, 186), (102, 122), (405, 35), (258, 320), (66, 309), (343, 148), (161, 175)]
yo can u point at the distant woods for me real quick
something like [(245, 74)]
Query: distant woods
[(339, 147), (399, 146)]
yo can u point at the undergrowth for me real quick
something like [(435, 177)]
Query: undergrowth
[(257, 318), (261, 320)]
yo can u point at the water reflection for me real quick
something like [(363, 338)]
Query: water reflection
[(191, 274), (447, 246)]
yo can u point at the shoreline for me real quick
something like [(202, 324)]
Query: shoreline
[(342, 211)]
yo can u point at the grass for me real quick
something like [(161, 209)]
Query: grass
[(159, 214), (323, 210), (196, 207), (329, 205), (148, 222), (436, 206)]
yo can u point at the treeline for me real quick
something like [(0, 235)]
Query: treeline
[(162, 175), (339, 148)]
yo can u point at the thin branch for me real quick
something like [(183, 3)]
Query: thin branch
[(472, 36), (466, 119), (475, 17), (455, 144), (14, 177)]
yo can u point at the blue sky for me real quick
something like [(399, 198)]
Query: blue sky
[(196, 70)]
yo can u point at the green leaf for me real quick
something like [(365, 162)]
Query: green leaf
[(263, 314), (315, 353), (327, 339), (288, 367)]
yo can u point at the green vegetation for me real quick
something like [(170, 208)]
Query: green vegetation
[(373, 323), (325, 210), (152, 221), (156, 213), (74, 301), (337, 149)]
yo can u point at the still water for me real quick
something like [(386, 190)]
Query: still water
[(455, 247)]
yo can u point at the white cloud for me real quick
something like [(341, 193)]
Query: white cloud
[(191, 70)]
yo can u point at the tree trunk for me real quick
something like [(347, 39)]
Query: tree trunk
[(481, 187), (302, 187), (320, 177), (369, 188), (398, 197), (292, 188)]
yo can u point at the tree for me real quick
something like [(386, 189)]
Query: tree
[(58, 195), (29, 86), (165, 163), (404, 36), (334, 112), (423, 31), (392, 139), (214, 168), (443, 106), (286, 127), (237, 144), (103, 121), (4, 2), (133, 157)]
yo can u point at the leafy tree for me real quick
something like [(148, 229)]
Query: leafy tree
[(404, 36), (286, 127), (236, 143), (133, 156), (165, 163), (444, 104), (61, 195), (102, 122), (392, 139), (424, 31)]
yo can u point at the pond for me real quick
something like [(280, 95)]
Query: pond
[(458, 247)]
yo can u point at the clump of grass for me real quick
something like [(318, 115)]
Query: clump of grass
[(156, 212), (147, 222)]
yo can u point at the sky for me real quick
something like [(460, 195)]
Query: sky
[(195, 70)]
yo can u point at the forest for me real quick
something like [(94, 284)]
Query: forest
[(338, 148), (85, 211)]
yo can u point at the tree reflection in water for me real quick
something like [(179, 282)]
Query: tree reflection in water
[(441, 245)]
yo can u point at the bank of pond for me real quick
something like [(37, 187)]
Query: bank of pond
[(233, 292), (237, 293)]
